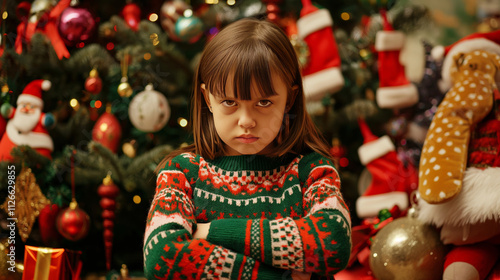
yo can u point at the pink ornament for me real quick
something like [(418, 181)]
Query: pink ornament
[(76, 25)]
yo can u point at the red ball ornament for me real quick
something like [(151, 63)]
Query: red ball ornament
[(131, 13), (76, 25), (93, 83), (73, 223), (107, 131)]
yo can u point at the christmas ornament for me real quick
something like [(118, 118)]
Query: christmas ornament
[(406, 248), (178, 20), (124, 88), (108, 192), (93, 83), (27, 124), (129, 148), (131, 13), (272, 10), (392, 182), (107, 131), (149, 110), (395, 91), (43, 18), (73, 223), (29, 201), (76, 25), (47, 224), (322, 75)]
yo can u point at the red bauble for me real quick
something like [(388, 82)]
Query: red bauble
[(93, 83), (132, 15), (107, 131), (47, 223), (73, 223)]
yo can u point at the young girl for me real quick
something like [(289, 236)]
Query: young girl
[(255, 196)]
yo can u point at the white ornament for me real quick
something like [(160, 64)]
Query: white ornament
[(149, 110)]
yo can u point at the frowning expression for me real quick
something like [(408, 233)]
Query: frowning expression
[(248, 126)]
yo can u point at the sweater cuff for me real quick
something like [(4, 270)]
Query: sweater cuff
[(228, 233)]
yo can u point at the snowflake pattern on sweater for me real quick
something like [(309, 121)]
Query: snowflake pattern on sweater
[(268, 216)]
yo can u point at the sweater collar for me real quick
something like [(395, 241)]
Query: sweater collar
[(251, 162)]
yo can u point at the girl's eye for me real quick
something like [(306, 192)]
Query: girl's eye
[(265, 103), (228, 103)]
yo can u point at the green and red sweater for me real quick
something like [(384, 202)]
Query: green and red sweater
[(268, 216)]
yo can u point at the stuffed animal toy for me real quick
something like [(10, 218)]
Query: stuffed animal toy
[(459, 174)]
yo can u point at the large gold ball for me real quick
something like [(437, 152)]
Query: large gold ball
[(407, 249)]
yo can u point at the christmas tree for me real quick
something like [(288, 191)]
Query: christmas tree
[(120, 75)]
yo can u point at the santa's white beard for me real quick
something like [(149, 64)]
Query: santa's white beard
[(25, 122)]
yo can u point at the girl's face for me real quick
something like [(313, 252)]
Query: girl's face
[(248, 126)]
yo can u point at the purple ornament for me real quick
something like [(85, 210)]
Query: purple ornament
[(75, 25)]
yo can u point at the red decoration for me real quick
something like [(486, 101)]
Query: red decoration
[(273, 10), (45, 22), (76, 25), (132, 15), (73, 223), (52, 263), (108, 192), (93, 83), (47, 223), (107, 131)]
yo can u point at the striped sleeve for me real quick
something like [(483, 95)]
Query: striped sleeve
[(169, 250), (319, 242)]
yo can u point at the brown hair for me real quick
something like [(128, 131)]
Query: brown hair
[(249, 51)]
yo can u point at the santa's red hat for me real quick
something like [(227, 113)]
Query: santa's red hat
[(489, 42), (322, 74), (395, 91), (391, 181), (32, 93)]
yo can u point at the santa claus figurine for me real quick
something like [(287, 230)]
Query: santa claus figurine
[(27, 124)]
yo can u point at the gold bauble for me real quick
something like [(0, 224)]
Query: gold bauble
[(407, 249), (124, 89)]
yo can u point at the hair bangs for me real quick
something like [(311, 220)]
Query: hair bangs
[(248, 67)]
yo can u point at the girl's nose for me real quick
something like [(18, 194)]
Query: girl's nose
[(246, 119)]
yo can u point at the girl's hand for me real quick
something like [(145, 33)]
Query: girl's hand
[(298, 275), (202, 231)]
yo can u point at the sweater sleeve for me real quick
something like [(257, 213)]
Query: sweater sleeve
[(170, 252), (319, 242)]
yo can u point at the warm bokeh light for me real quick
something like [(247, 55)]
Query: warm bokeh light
[(73, 102), (153, 17), (182, 122)]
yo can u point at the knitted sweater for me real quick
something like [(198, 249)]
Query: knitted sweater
[(268, 216)]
